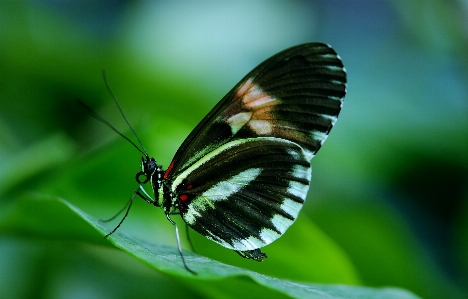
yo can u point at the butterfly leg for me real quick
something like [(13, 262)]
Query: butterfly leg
[(129, 202), (128, 205), (141, 193), (186, 231), (178, 244), (188, 237), (256, 255)]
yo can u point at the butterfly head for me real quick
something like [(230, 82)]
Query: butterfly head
[(148, 168)]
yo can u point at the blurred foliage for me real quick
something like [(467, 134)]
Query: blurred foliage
[(388, 204)]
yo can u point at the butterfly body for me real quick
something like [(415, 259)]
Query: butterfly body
[(242, 175)]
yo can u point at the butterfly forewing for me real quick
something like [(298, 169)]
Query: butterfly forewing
[(295, 95)]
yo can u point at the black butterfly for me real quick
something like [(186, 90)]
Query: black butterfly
[(242, 175)]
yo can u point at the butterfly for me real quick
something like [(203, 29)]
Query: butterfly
[(242, 175)]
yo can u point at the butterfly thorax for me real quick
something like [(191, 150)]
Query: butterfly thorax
[(152, 172)]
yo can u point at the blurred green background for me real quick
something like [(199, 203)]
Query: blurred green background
[(388, 204)]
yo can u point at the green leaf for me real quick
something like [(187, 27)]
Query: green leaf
[(167, 260)]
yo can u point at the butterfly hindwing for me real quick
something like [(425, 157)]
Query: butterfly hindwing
[(245, 194)]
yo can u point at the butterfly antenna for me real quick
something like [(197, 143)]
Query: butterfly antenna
[(101, 119), (121, 112)]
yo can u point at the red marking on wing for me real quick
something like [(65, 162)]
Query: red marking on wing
[(183, 197), (189, 187), (169, 169)]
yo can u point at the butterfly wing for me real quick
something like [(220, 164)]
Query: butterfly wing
[(242, 175)]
